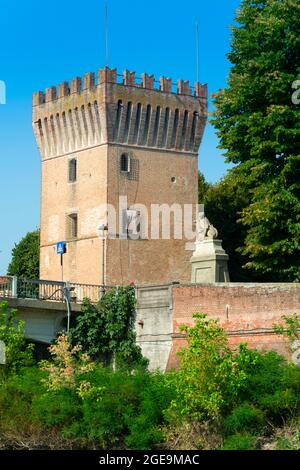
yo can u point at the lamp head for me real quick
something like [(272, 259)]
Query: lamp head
[(102, 231)]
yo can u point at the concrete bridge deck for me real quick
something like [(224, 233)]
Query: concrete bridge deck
[(44, 319)]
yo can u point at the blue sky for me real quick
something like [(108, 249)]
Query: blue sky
[(43, 43)]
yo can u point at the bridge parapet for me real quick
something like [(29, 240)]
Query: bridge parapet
[(13, 287)]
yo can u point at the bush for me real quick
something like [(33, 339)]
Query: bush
[(56, 408), (281, 405), (107, 400), (67, 366), (272, 385), (209, 378), (17, 394), (121, 408), (245, 417), (144, 427), (18, 353), (240, 442)]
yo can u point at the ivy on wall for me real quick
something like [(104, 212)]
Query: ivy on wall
[(106, 330)]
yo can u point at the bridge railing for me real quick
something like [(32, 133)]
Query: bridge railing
[(41, 290), (79, 292), (13, 287)]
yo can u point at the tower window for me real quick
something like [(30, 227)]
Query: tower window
[(125, 163), (72, 170), (72, 226)]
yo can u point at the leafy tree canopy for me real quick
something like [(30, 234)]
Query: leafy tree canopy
[(203, 187), (259, 127), (25, 257)]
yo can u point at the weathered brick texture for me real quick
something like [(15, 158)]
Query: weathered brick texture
[(246, 311)]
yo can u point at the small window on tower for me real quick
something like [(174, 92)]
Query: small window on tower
[(72, 226), (125, 163), (72, 170)]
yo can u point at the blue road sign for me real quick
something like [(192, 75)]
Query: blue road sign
[(61, 248)]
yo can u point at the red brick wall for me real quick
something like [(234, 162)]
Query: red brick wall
[(246, 311)]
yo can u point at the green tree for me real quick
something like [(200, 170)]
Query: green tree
[(25, 257), (224, 202), (259, 127), (203, 187)]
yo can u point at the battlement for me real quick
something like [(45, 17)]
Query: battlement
[(107, 75), (129, 111)]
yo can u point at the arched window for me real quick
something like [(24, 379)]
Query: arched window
[(125, 162), (72, 170)]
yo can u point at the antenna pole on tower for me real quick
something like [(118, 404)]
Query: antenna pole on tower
[(197, 51), (106, 31)]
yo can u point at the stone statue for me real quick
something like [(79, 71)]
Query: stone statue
[(211, 232), (209, 260), (204, 229)]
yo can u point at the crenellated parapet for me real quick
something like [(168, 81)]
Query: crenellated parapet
[(119, 109)]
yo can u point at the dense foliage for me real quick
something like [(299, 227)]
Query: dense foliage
[(209, 380), (106, 331), (203, 187), (71, 402), (17, 352), (259, 127), (25, 261)]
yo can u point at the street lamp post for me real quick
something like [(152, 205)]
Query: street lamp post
[(66, 292), (103, 232)]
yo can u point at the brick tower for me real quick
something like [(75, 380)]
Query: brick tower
[(102, 140)]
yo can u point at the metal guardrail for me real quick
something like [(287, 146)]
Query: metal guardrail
[(13, 287), (41, 290), (79, 292)]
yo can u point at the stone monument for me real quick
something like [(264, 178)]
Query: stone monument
[(209, 260)]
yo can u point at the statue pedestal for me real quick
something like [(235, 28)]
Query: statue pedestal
[(209, 262)]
